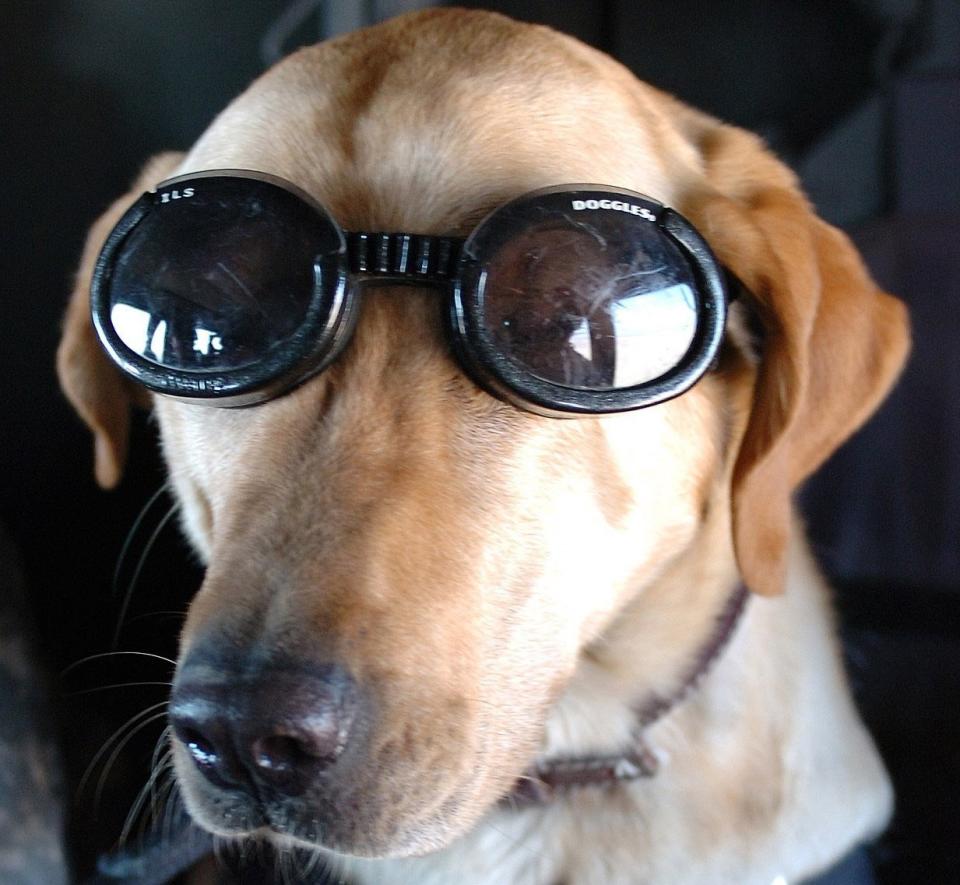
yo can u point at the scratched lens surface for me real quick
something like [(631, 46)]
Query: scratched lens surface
[(593, 301), (215, 279)]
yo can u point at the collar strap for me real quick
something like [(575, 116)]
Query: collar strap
[(411, 257), (729, 616), (551, 778)]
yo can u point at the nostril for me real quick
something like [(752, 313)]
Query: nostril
[(203, 752), (206, 737), (301, 727), (275, 728), (285, 754)]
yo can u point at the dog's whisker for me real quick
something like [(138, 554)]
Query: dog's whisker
[(160, 790), (139, 569), (109, 654), (163, 613), (168, 797), (138, 804), (300, 864), (335, 866), (110, 740), (158, 753), (71, 694), (314, 859), (158, 767), (240, 846), (149, 819), (128, 541), (104, 774), (172, 806), (158, 794), (218, 847)]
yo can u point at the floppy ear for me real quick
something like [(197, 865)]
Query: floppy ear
[(833, 347), (95, 388)]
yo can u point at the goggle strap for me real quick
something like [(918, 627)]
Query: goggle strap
[(412, 256), (735, 286)]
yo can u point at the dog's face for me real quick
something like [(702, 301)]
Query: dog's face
[(407, 568)]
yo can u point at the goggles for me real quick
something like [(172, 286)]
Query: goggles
[(231, 287)]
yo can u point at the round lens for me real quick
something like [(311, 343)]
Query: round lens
[(218, 274), (593, 300)]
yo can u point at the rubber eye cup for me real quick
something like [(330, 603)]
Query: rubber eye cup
[(226, 287), (584, 301)]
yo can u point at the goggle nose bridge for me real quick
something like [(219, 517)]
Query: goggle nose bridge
[(403, 258)]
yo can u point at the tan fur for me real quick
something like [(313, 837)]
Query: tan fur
[(506, 585)]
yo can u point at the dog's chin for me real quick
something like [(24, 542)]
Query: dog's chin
[(418, 841), (368, 829), (413, 839)]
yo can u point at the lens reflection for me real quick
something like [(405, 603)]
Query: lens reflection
[(653, 331), (597, 305)]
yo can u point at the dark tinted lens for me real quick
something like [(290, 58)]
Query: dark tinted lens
[(216, 278), (593, 300)]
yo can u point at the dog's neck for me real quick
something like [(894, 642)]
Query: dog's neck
[(661, 644), (552, 777), (764, 768)]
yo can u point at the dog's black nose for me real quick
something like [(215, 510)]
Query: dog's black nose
[(279, 729)]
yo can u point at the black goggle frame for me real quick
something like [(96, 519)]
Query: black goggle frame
[(414, 259)]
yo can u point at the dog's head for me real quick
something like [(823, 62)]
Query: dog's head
[(404, 571)]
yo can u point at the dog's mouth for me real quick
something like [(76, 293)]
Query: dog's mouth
[(306, 756), (333, 816)]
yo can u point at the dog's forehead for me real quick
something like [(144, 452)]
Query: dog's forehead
[(425, 122)]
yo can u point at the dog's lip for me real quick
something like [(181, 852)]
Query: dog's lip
[(233, 825), (281, 833), (261, 820)]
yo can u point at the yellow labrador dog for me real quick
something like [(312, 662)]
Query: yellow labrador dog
[(444, 637)]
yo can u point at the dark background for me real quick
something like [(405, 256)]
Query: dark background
[(862, 97)]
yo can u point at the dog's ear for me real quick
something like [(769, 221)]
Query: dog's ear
[(833, 345), (90, 381)]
